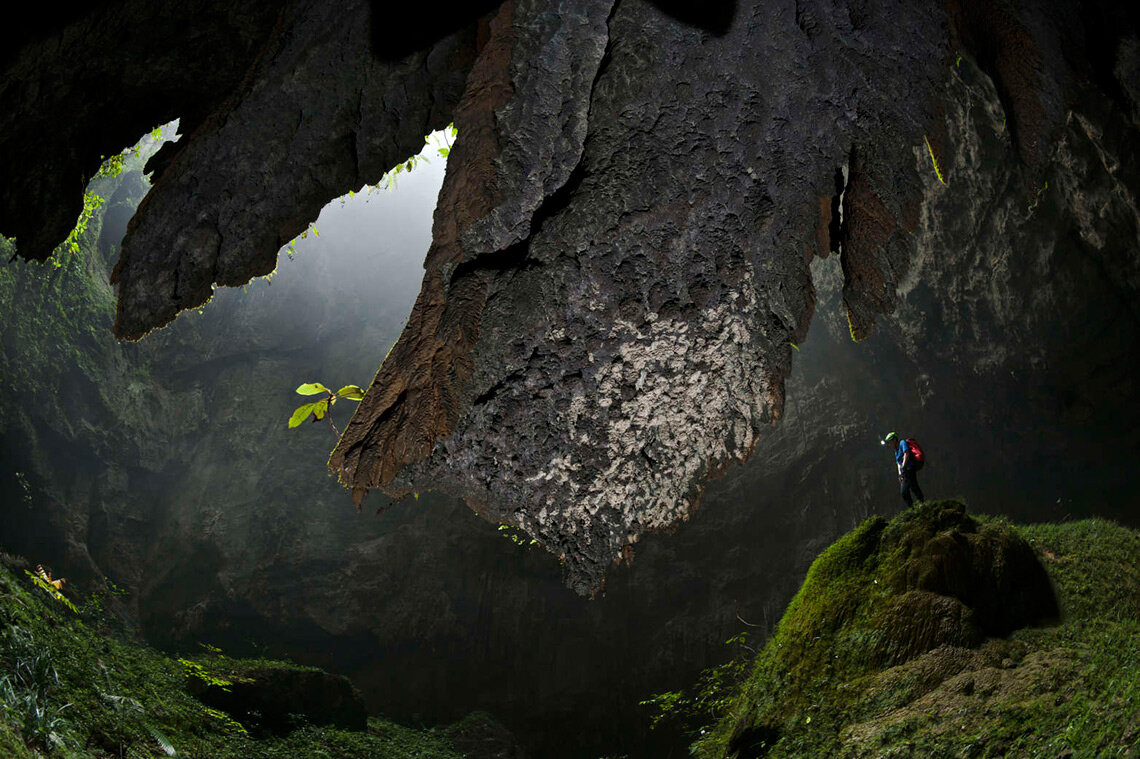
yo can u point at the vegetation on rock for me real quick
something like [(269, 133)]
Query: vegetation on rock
[(939, 634), (71, 687)]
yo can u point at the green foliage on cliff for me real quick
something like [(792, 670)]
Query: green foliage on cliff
[(709, 698), (52, 310), (896, 646), (71, 689), (97, 192), (440, 142)]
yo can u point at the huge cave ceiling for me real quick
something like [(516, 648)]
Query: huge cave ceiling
[(620, 263)]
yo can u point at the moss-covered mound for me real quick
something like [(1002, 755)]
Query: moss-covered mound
[(938, 634), (70, 689), (274, 698)]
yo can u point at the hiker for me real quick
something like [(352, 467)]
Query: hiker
[(910, 458)]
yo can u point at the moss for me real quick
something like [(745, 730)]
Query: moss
[(115, 697), (1093, 564), (938, 634)]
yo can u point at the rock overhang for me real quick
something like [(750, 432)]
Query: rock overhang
[(621, 251)]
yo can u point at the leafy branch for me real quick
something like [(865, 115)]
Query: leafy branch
[(320, 409), (707, 700), (448, 134)]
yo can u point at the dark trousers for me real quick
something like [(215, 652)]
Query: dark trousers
[(908, 483)]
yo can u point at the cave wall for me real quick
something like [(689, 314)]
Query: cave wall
[(80, 81), (585, 382), (165, 466), (620, 263)]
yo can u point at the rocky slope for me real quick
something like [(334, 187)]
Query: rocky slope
[(73, 687)]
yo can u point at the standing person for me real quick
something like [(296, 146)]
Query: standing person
[(909, 458)]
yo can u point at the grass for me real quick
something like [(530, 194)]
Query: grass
[(70, 689), (936, 634)]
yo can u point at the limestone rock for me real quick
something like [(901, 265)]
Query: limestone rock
[(621, 258)]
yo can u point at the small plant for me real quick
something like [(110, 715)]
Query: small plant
[(514, 535), (199, 671), (320, 409), (291, 246), (707, 700), (91, 204), (1037, 197), (125, 708), (229, 724), (111, 167), (50, 585), (933, 160)]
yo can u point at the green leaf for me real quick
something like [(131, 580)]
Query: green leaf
[(352, 392), (443, 152), (320, 408), (162, 740), (301, 414), (312, 388)]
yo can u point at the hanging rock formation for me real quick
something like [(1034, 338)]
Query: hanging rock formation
[(621, 252)]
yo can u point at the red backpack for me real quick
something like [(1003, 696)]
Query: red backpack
[(915, 450)]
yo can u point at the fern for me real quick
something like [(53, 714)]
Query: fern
[(163, 742)]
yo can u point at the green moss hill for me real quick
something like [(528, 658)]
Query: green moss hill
[(70, 686), (940, 634)]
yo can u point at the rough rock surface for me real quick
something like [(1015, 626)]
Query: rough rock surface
[(638, 341), (89, 78), (621, 256), (263, 186), (165, 465), (584, 385)]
